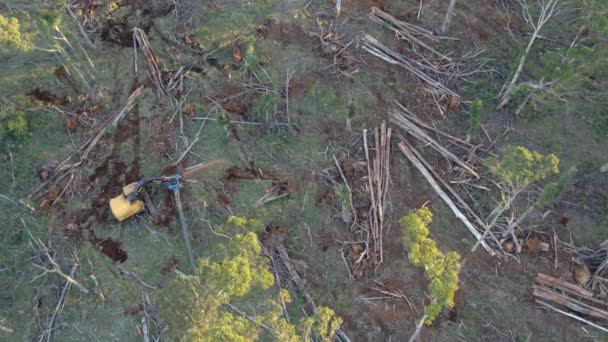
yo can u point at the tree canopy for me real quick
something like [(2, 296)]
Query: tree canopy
[(11, 35), (440, 269), (517, 166), (196, 307)]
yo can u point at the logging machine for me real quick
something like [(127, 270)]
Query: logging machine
[(129, 202)]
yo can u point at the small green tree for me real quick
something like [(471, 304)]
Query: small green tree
[(441, 270), (11, 35), (517, 167), (195, 308)]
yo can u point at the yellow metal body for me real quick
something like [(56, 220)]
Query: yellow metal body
[(122, 208)]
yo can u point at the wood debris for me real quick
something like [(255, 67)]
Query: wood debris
[(165, 81), (68, 167), (421, 59), (570, 297), (399, 119), (378, 176), (406, 31), (373, 46)]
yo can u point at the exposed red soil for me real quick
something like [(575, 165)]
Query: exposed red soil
[(285, 34), (227, 98), (110, 248), (325, 195), (133, 310), (170, 265), (47, 98)]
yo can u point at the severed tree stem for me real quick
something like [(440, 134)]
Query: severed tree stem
[(182, 219), (448, 16)]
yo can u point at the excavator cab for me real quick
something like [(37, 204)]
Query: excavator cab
[(122, 207)]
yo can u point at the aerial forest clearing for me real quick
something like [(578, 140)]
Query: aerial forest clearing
[(304, 170)]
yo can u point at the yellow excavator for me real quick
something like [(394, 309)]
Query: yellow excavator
[(129, 202)]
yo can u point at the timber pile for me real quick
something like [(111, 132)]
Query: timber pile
[(422, 60), (570, 297), (378, 176), (287, 276)]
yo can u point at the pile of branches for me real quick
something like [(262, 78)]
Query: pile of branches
[(378, 177), (423, 61), (168, 83)]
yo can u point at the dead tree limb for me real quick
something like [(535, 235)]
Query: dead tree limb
[(274, 247), (48, 332), (418, 329), (580, 319), (82, 31), (55, 267), (155, 66)]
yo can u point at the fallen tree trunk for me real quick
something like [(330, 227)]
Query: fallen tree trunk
[(425, 173), (571, 297)]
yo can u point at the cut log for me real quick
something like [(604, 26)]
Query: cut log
[(547, 293), (562, 284), (182, 219)]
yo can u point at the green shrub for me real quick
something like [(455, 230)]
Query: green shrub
[(517, 166), (11, 35)]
